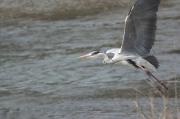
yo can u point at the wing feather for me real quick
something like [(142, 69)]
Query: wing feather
[(140, 27)]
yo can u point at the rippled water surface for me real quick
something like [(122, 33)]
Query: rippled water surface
[(41, 76)]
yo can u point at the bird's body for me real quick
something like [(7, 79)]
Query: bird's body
[(138, 39), (114, 56)]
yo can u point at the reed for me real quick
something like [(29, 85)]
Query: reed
[(166, 111)]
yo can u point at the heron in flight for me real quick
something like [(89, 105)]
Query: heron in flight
[(138, 39)]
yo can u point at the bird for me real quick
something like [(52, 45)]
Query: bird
[(138, 39)]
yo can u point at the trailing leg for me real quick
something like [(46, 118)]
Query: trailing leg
[(154, 77)]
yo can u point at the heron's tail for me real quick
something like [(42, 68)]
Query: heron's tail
[(153, 60)]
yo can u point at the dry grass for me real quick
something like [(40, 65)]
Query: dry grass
[(166, 111)]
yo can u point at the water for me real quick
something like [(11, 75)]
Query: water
[(42, 77)]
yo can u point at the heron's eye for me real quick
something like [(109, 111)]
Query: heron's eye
[(95, 52)]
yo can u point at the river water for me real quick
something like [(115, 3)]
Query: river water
[(41, 76)]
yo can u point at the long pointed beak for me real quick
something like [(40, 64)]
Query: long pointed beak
[(84, 56)]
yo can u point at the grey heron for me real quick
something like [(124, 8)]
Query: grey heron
[(138, 39)]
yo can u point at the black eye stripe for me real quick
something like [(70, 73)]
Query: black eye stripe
[(95, 52)]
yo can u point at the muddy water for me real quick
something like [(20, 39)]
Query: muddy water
[(42, 78)]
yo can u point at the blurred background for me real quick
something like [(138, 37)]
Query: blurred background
[(41, 76), (57, 9)]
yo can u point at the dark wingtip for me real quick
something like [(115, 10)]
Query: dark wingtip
[(153, 60)]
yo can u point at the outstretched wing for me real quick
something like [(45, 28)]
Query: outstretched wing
[(140, 27)]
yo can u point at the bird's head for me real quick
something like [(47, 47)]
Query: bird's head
[(91, 55)]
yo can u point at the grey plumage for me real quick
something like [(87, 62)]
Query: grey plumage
[(153, 60), (139, 37), (140, 28)]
